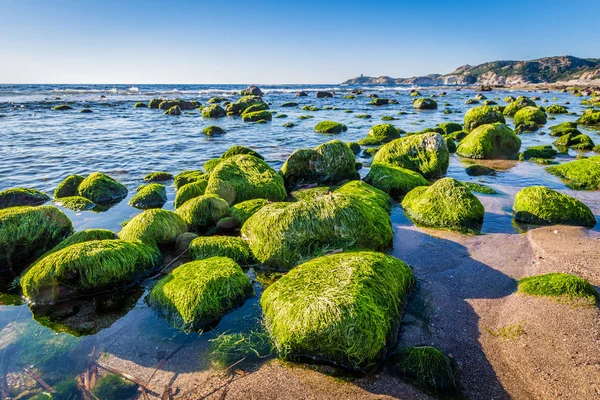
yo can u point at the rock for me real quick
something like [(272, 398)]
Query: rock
[(425, 153), (281, 235), (102, 189), (329, 163), (447, 204), (556, 109), (175, 110), (245, 102), (379, 101), (237, 150), (581, 174), (28, 232), (379, 134), (490, 141), (182, 104), (76, 203), (330, 127), (346, 318), (590, 119), (220, 246), (425, 104), (301, 94), (203, 212), (450, 127), (228, 225), (393, 180), (213, 131), (152, 195), (543, 151), (481, 115), (519, 103), (321, 95), (355, 147), (68, 187), (564, 128), (159, 176), (88, 268), (256, 116), (154, 103), (539, 205), (451, 145), (22, 197), (186, 177), (252, 91), (140, 105), (530, 114), (290, 104), (256, 107), (86, 111), (155, 227), (183, 242), (244, 210), (574, 141), (197, 294), (479, 170), (479, 188), (471, 101), (86, 235), (525, 127), (190, 191), (213, 111), (245, 177), (62, 107)]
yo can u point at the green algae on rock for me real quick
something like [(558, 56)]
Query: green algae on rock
[(341, 309), (86, 235), (185, 177), (237, 150), (425, 104), (479, 188), (329, 163), (393, 180), (556, 109), (450, 127), (530, 115), (197, 294), (62, 107), (244, 210), (379, 134), (490, 141), (330, 127), (355, 147), (155, 227), (427, 367), (581, 174), (560, 286), (16, 197), (152, 195), (175, 110), (75, 203), (539, 205), (190, 191), (159, 176), (28, 232), (255, 116), (220, 246), (203, 212), (68, 187), (88, 267), (213, 130), (182, 104), (447, 204), (281, 235), (590, 119), (102, 189), (574, 141), (481, 115), (425, 153), (140, 105), (516, 105), (213, 111), (542, 151)]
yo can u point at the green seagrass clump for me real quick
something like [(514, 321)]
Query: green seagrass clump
[(395, 181), (229, 348), (190, 191), (560, 286), (341, 309), (159, 176), (447, 204), (113, 387), (76, 203), (329, 163), (68, 187), (581, 174), (245, 177), (426, 367), (152, 195), (155, 227), (282, 235), (185, 177), (516, 105), (102, 189), (542, 206), (220, 246), (203, 212), (213, 131), (330, 127), (28, 232), (244, 210), (490, 141), (16, 197), (213, 111), (379, 134), (87, 268), (425, 103), (481, 115), (425, 153), (197, 294)]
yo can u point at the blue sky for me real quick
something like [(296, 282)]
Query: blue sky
[(306, 41)]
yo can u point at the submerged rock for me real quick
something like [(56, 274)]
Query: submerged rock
[(155, 227), (341, 309), (490, 141), (579, 174), (447, 204), (425, 153), (68, 187), (62, 107), (481, 115), (479, 170), (152, 195), (393, 180), (330, 127), (197, 294), (140, 105), (425, 104), (380, 134), (102, 189), (542, 206), (220, 246), (22, 197), (203, 212)]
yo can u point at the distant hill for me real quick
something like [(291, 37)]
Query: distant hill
[(562, 69)]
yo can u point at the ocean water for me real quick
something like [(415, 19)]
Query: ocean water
[(40, 147)]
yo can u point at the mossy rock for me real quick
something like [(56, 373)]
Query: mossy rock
[(457, 136), (330, 127), (76, 203), (185, 177), (220, 246), (159, 176), (113, 387), (244, 210), (245, 177), (28, 232), (215, 100), (256, 116), (479, 170), (363, 116), (539, 205), (479, 188), (355, 147), (197, 294), (379, 101), (509, 99), (237, 150), (426, 367), (86, 235), (256, 107), (152, 195), (450, 127), (211, 164), (447, 204), (213, 131), (242, 104), (556, 109), (530, 115), (425, 153), (203, 212), (379, 134), (393, 180), (451, 145), (560, 286), (341, 309), (140, 105), (516, 105), (190, 191), (328, 163), (213, 111), (309, 108), (16, 197), (574, 141), (490, 141), (281, 235), (102, 189), (62, 107), (182, 104), (542, 151), (68, 187), (289, 104), (563, 129), (579, 174), (481, 115), (87, 268), (175, 110), (154, 103), (590, 119), (156, 227), (425, 104)]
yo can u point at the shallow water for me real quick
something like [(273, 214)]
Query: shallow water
[(40, 147)]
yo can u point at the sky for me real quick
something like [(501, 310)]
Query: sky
[(270, 42)]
